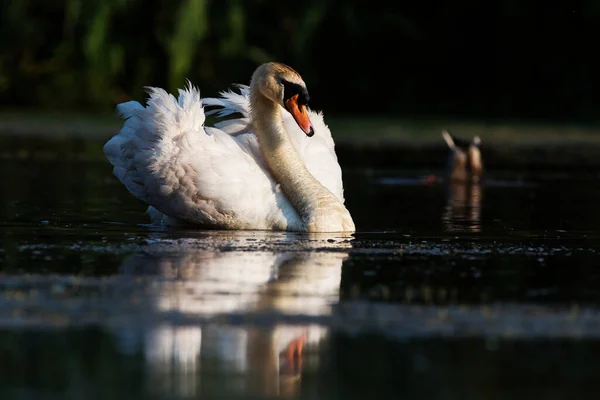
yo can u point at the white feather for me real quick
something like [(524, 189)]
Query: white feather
[(318, 152), (211, 176)]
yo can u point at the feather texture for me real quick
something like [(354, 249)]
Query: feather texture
[(214, 177)]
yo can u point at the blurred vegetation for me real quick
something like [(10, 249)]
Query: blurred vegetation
[(502, 59)]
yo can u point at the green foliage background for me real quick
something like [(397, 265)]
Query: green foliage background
[(76, 53), (458, 57)]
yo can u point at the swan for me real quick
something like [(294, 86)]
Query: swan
[(272, 168)]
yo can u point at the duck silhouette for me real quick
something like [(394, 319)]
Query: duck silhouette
[(464, 158)]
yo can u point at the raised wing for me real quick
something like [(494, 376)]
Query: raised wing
[(166, 157), (317, 152)]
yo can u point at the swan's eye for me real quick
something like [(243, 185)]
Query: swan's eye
[(291, 89)]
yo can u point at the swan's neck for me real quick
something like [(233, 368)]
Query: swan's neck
[(285, 164)]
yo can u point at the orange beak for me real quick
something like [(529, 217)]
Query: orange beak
[(300, 114)]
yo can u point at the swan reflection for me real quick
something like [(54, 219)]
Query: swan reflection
[(462, 212), (213, 358)]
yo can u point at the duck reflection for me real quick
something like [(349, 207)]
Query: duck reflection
[(187, 360), (462, 212), (464, 169)]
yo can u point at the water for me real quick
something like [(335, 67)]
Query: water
[(486, 290)]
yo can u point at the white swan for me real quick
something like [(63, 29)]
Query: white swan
[(264, 170)]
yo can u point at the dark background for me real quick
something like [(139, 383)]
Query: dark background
[(464, 58)]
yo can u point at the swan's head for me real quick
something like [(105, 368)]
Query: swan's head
[(284, 86)]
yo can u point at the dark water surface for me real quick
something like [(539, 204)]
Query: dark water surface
[(453, 292)]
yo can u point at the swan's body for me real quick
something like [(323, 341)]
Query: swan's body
[(464, 158), (260, 171)]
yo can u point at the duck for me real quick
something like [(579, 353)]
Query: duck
[(267, 163), (464, 159)]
